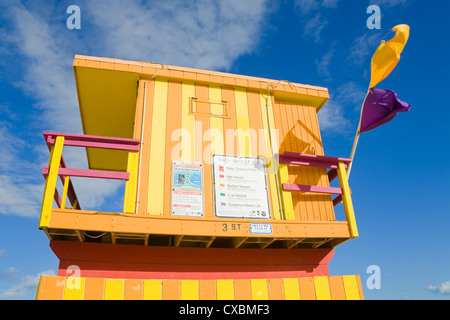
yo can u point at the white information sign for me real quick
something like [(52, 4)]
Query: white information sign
[(187, 189), (240, 187)]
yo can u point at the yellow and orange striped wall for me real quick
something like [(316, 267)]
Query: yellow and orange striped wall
[(313, 288)]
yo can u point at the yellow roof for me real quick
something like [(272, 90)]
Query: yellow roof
[(107, 91)]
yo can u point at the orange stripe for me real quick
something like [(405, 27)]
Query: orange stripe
[(307, 291), (275, 289), (336, 288), (173, 122), (54, 288), (207, 289), (242, 289), (93, 289), (145, 156), (133, 289), (230, 124), (171, 290), (202, 134)]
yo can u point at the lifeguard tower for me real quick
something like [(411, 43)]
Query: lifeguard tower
[(227, 189)]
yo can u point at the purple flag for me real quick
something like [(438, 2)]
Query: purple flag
[(380, 107)]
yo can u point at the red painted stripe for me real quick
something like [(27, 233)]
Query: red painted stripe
[(147, 262)]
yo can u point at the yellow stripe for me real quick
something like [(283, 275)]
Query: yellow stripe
[(270, 160), (216, 123), (157, 150), (152, 289), (50, 182), (291, 289), (129, 202), (259, 289), (243, 126), (225, 289), (286, 196), (114, 289), (322, 288), (187, 123), (189, 289), (351, 288), (347, 200), (74, 288)]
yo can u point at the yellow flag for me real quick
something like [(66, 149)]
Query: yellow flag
[(387, 55)]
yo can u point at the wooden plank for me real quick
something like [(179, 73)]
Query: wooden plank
[(171, 290), (155, 193), (50, 182), (275, 290), (225, 289), (322, 288), (74, 288), (230, 124), (270, 162), (94, 289), (53, 288), (259, 289), (88, 173), (337, 291), (307, 291), (360, 290), (152, 289), (243, 126), (216, 123), (114, 289), (189, 290), (133, 289), (172, 138), (347, 200), (147, 115), (351, 288), (314, 189), (242, 289), (64, 194), (291, 289), (207, 289), (187, 123)]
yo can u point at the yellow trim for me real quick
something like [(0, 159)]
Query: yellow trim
[(216, 123), (157, 150), (243, 126), (286, 196), (152, 289), (291, 289), (351, 287), (270, 160), (187, 123), (322, 288), (74, 288), (50, 182), (65, 190), (259, 289), (129, 202), (347, 200), (114, 289), (189, 289), (225, 289)]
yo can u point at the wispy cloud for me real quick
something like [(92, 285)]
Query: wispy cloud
[(389, 3), (38, 49), (443, 288), (26, 285)]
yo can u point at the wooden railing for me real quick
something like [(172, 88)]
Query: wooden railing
[(337, 168), (57, 167)]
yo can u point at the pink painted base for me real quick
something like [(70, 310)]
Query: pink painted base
[(144, 262)]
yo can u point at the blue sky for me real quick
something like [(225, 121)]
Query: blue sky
[(400, 173)]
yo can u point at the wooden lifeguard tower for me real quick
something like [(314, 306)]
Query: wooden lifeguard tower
[(227, 189)]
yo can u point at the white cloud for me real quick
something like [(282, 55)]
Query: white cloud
[(388, 3), (443, 288), (27, 285), (324, 63), (202, 34)]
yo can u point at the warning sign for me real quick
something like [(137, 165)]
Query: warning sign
[(187, 189), (240, 187)]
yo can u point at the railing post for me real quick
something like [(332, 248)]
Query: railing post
[(50, 182), (347, 200), (129, 203), (65, 190)]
